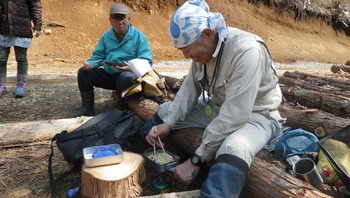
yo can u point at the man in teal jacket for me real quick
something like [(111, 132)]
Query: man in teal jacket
[(121, 43)]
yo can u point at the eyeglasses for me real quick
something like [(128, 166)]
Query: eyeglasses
[(119, 18)]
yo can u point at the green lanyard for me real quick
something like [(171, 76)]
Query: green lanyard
[(205, 81)]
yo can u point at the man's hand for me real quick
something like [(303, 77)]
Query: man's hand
[(126, 67), (86, 66), (186, 172), (161, 131)]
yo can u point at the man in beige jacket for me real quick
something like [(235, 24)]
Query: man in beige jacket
[(231, 90)]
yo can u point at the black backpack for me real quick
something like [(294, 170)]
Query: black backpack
[(109, 127)]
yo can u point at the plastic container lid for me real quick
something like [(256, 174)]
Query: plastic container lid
[(104, 153)]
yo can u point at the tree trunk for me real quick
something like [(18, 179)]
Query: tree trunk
[(312, 86), (340, 68), (267, 178), (315, 121), (114, 181), (19, 132), (335, 80), (334, 104), (145, 109)]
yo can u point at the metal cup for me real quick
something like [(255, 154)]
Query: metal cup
[(306, 170)]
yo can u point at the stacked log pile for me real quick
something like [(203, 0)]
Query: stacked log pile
[(320, 103)]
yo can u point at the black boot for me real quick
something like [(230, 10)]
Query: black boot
[(87, 109), (226, 178)]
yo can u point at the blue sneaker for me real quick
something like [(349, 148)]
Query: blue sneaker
[(3, 89), (20, 90)]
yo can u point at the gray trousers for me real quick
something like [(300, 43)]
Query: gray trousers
[(244, 143), (21, 59)]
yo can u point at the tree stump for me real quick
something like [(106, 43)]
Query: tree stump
[(119, 180)]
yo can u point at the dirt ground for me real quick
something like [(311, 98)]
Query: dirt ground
[(73, 29)]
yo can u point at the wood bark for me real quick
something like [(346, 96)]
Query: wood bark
[(335, 104), (267, 178), (315, 121), (347, 63), (340, 81), (145, 109), (312, 86), (115, 181), (340, 68), (173, 83), (12, 133)]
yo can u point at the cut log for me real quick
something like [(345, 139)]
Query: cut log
[(312, 86), (347, 63), (11, 133), (335, 104), (114, 181), (267, 178), (340, 81), (174, 84), (340, 68), (315, 121), (145, 109)]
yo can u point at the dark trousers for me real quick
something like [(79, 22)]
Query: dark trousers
[(87, 80)]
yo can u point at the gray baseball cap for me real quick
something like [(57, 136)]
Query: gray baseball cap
[(119, 8)]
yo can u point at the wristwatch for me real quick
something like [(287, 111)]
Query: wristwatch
[(196, 160)]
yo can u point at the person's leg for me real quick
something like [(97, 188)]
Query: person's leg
[(124, 81), (196, 118), (227, 176), (22, 71), (4, 54), (87, 80)]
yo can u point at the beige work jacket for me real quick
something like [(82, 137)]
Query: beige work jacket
[(246, 82)]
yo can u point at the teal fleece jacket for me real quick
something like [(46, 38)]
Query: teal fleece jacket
[(109, 49)]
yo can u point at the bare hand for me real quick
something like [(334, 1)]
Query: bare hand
[(161, 131), (186, 172), (126, 67), (37, 33), (86, 66)]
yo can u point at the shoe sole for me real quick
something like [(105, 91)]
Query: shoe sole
[(18, 95)]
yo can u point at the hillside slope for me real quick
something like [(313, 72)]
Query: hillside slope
[(77, 25)]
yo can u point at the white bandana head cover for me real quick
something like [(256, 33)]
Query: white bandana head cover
[(190, 19)]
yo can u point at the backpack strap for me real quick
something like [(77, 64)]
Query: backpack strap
[(53, 185)]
